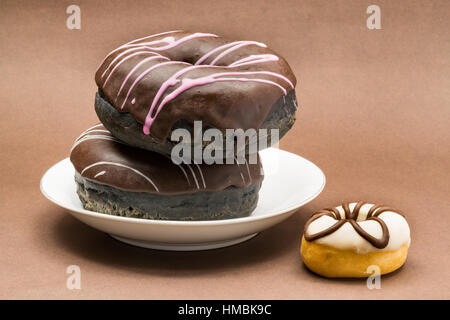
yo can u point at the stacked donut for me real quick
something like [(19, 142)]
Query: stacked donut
[(151, 88)]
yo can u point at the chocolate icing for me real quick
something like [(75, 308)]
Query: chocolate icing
[(176, 75), (351, 217), (100, 157)]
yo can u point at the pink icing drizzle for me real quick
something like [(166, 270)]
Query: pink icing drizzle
[(258, 58), (129, 57), (124, 53), (171, 42), (134, 69), (132, 42), (225, 46), (243, 44), (154, 35), (143, 74)]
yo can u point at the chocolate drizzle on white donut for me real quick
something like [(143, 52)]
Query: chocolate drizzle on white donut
[(351, 216)]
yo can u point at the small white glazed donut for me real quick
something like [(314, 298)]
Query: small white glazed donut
[(344, 241)]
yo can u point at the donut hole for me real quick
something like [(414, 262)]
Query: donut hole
[(181, 57), (352, 213), (190, 60)]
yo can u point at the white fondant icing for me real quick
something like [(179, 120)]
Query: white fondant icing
[(346, 237)]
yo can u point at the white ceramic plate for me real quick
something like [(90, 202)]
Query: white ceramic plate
[(290, 182)]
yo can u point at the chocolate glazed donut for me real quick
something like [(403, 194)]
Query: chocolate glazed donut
[(154, 85), (115, 178)]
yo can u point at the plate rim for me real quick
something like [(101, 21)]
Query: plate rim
[(187, 223)]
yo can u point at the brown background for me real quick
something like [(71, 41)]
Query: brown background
[(375, 116)]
